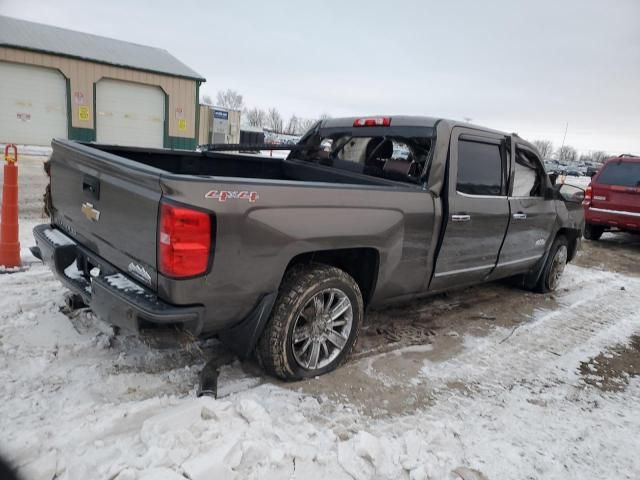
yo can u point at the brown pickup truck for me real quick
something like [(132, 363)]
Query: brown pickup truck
[(282, 257)]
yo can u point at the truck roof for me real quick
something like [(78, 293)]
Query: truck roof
[(625, 157), (397, 120), (416, 121)]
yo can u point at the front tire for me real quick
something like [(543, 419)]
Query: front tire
[(593, 232), (554, 266), (314, 324)]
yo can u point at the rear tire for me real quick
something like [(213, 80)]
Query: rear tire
[(314, 323), (553, 266), (593, 232)]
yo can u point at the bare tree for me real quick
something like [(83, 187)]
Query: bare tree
[(229, 99), (206, 99), (599, 156), (293, 125), (545, 147), (594, 156), (567, 154), (324, 116), (274, 120), (305, 124), (255, 117)]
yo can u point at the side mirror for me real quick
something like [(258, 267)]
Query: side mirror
[(571, 193)]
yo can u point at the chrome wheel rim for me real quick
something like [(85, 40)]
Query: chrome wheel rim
[(557, 267), (322, 329)]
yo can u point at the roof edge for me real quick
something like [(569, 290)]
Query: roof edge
[(102, 62)]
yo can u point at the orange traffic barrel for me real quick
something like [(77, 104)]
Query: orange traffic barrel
[(9, 243)]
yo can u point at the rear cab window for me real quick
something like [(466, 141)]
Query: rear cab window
[(621, 173), (398, 154)]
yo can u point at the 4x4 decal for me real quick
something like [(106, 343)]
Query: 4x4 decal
[(224, 195)]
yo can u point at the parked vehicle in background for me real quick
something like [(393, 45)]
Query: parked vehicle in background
[(612, 200), (283, 256), (591, 171)]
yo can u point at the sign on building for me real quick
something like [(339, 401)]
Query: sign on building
[(220, 126)]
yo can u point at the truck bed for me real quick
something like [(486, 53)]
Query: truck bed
[(237, 165)]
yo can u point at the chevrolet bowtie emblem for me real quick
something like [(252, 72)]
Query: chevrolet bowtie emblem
[(90, 212)]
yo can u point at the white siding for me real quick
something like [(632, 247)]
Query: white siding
[(33, 104), (129, 114)]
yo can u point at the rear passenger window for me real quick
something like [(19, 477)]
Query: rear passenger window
[(626, 174), (479, 168)]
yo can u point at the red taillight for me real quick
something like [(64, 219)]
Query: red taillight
[(184, 241), (372, 122), (587, 195)]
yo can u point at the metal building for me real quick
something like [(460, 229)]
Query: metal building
[(219, 125), (62, 83)]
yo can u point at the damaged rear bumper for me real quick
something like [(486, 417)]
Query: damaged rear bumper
[(110, 294)]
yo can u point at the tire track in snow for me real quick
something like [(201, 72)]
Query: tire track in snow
[(523, 408), (594, 313)]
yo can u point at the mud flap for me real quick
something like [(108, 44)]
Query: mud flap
[(243, 337), (530, 280)]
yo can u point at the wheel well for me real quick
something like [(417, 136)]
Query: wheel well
[(572, 237), (361, 263)]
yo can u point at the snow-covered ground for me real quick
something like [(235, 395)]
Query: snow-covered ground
[(505, 403), (77, 403)]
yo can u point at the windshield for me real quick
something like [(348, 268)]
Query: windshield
[(390, 155)]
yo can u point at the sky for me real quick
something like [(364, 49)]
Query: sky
[(533, 67)]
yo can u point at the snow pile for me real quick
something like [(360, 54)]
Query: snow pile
[(119, 281), (57, 237), (5, 269), (281, 138), (32, 150)]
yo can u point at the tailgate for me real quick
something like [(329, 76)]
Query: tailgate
[(616, 197), (109, 204)]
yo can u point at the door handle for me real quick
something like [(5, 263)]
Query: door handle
[(520, 216), (460, 218)]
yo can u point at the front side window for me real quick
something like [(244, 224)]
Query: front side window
[(479, 168), (526, 176)]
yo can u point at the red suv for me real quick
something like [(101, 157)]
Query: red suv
[(612, 200)]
